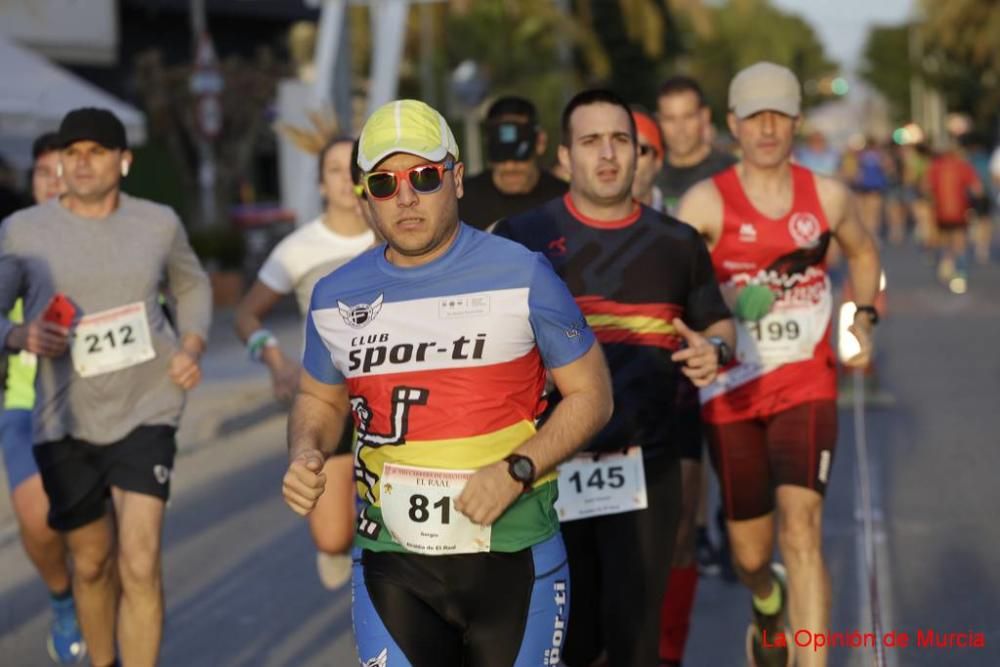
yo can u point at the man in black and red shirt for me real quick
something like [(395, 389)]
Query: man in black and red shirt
[(646, 286)]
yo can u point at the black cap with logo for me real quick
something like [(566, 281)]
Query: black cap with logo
[(92, 124), (510, 140), (511, 129)]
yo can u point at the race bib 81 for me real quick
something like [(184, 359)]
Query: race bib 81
[(418, 507)]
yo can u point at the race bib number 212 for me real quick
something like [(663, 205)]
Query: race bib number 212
[(112, 340)]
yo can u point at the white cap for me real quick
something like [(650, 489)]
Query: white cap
[(765, 86)]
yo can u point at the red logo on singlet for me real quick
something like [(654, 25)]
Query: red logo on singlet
[(804, 228), (557, 248)]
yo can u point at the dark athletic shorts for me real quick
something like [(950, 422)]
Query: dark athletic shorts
[(945, 223), (689, 435), (78, 475), (687, 432), (484, 609), (619, 564), (346, 443), (754, 457)]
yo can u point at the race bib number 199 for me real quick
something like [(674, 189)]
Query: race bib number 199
[(112, 340), (779, 338), (789, 333), (419, 512)]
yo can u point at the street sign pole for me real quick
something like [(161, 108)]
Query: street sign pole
[(206, 85)]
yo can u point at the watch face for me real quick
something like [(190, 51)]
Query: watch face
[(522, 470)]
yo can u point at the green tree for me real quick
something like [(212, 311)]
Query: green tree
[(747, 31), (165, 93), (968, 30), (520, 46), (962, 56), (628, 45), (641, 40), (887, 66)]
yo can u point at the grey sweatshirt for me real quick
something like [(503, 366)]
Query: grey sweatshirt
[(102, 264)]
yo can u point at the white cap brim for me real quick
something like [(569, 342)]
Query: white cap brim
[(784, 105)]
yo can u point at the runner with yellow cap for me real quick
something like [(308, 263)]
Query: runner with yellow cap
[(437, 342)]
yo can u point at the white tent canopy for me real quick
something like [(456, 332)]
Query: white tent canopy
[(35, 94)]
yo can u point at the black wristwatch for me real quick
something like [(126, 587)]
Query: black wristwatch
[(723, 351), (522, 469), (870, 311)]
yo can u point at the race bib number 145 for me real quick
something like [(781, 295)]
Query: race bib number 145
[(612, 484)]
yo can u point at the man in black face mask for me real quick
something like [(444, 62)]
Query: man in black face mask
[(514, 182)]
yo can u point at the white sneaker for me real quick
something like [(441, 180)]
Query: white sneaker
[(958, 284), (334, 569), (946, 270)]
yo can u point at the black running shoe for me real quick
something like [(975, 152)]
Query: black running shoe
[(706, 555), (767, 643)]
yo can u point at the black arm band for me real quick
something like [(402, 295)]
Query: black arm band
[(871, 311)]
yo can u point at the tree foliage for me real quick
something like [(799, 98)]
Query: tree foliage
[(747, 31), (249, 91), (954, 48), (629, 46), (887, 66), (962, 55), (523, 47), (641, 39), (966, 30)]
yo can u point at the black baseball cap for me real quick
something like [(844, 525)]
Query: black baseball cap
[(92, 124), (510, 140)]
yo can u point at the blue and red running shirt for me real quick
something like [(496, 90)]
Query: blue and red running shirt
[(445, 366)]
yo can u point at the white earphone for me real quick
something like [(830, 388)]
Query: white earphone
[(125, 167), (59, 169)]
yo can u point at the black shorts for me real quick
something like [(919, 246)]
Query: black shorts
[(346, 443), (689, 435), (619, 565), (946, 225), (687, 432), (483, 609), (981, 205), (754, 457), (78, 475)]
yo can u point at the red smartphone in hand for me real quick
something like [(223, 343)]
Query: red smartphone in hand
[(60, 311)]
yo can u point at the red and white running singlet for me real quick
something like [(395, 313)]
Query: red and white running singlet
[(786, 358)]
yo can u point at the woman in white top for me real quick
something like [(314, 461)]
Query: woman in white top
[(295, 265)]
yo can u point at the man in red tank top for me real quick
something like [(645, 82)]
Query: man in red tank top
[(771, 416)]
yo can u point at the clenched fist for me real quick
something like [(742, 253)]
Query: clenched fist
[(304, 482)]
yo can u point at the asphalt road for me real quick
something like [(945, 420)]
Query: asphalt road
[(242, 587)]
